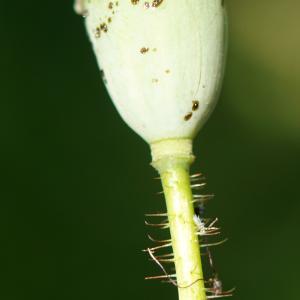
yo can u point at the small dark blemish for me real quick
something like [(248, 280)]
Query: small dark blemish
[(97, 33), (110, 5), (155, 80), (103, 27), (157, 3), (167, 71), (147, 5), (109, 20), (188, 116), (223, 2), (135, 2), (144, 50), (195, 105)]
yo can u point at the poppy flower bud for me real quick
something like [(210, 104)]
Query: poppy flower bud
[(162, 61)]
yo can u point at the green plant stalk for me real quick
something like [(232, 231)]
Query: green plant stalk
[(174, 172)]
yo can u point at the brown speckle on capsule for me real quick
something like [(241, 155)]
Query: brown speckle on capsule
[(144, 50), (135, 2), (110, 5), (188, 116), (157, 3), (155, 80), (97, 33), (109, 20), (103, 27), (167, 71), (195, 105), (146, 5)]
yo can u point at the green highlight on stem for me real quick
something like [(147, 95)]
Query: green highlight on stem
[(172, 159)]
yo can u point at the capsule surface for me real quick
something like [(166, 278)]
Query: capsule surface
[(162, 61)]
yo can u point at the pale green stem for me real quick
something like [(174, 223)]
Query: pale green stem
[(173, 167)]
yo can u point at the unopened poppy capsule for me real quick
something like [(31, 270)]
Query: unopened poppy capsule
[(163, 61)]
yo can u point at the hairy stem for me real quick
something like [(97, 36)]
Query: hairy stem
[(173, 167)]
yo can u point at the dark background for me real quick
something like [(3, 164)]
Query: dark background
[(76, 181)]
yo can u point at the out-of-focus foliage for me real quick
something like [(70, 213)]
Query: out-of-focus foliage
[(267, 36), (76, 181)]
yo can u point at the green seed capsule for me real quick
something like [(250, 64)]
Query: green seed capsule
[(163, 61)]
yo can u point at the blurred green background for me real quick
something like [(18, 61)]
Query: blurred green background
[(76, 181)]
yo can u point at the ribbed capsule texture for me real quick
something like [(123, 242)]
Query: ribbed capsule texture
[(162, 61)]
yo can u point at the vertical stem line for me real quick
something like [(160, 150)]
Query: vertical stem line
[(175, 178)]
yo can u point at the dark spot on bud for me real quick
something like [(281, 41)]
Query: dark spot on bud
[(135, 2), (157, 3), (110, 5), (195, 105), (97, 33), (103, 27), (188, 116), (144, 50)]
